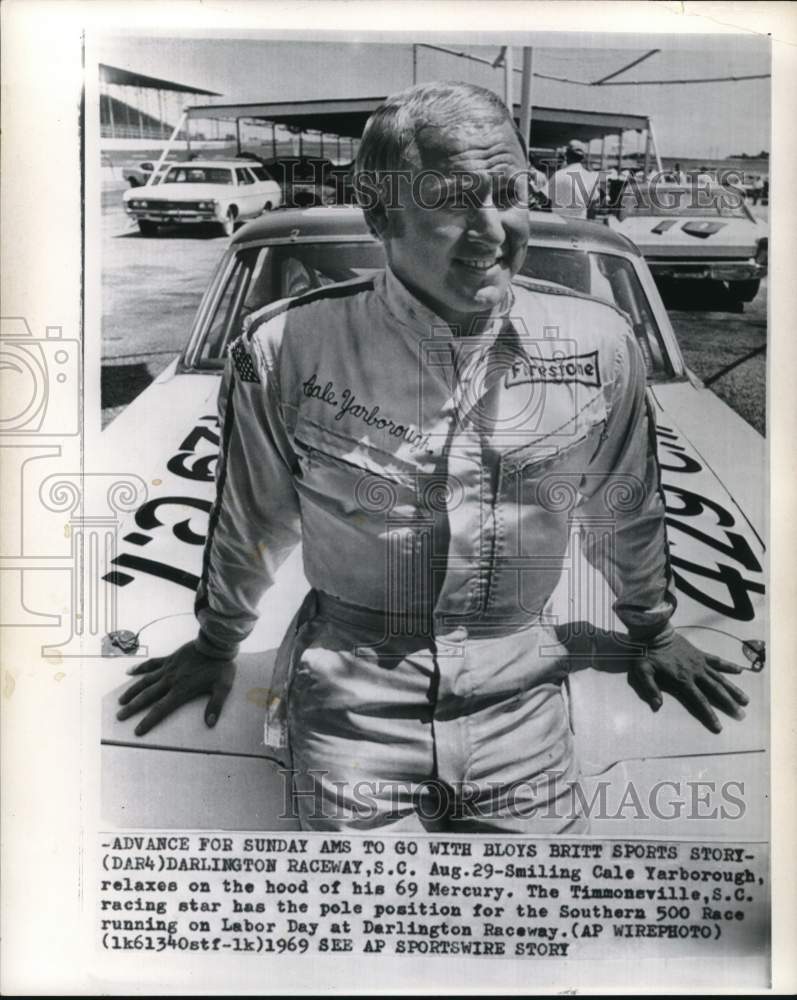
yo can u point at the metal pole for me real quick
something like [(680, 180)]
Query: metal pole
[(652, 132), (166, 150), (140, 119), (620, 154), (647, 152), (603, 152), (238, 135), (273, 140), (109, 99), (525, 94), (321, 153), (508, 78), (301, 145), (414, 64)]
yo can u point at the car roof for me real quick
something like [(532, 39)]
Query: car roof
[(348, 221), (189, 164)]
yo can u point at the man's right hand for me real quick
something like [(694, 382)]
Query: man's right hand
[(171, 681)]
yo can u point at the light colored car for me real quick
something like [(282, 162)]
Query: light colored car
[(223, 192), (183, 774), (146, 172), (695, 233)]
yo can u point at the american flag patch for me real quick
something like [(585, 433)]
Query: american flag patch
[(243, 363)]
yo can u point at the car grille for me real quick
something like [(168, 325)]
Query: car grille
[(168, 206)]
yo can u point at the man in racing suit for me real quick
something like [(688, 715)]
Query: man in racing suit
[(428, 433)]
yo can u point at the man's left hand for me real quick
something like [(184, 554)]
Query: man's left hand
[(695, 678)]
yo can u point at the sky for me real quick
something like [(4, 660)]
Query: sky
[(712, 119)]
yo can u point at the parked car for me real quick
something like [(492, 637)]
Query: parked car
[(183, 774), (703, 232), (199, 192), (146, 172)]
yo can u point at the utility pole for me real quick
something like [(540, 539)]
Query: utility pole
[(525, 94), (508, 77)]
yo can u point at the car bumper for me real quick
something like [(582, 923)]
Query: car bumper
[(747, 270), (172, 215)]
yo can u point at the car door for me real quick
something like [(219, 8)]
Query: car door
[(248, 194), (267, 190)]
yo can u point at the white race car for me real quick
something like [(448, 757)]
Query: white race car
[(695, 232), (223, 192), (183, 774)]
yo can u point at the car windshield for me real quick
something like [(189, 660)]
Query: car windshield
[(259, 276), (198, 175), (685, 202)]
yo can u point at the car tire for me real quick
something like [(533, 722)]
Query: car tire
[(228, 226), (744, 291), (267, 207), (148, 228)]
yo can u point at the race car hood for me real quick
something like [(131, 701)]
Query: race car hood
[(180, 192), (697, 237), (714, 493)]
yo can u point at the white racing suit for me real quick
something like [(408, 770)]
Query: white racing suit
[(433, 480)]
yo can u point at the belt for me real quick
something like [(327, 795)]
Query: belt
[(421, 622)]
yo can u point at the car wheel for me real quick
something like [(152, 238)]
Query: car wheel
[(148, 228), (267, 207), (228, 226), (744, 291)]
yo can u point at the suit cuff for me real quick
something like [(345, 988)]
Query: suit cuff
[(214, 649)]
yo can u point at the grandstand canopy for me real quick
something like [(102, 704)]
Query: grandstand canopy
[(550, 127), (125, 78)]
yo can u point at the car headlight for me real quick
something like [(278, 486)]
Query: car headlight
[(137, 203), (207, 204), (762, 251)]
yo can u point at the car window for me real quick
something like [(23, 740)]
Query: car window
[(259, 173), (243, 175), (198, 175), (263, 275), (227, 309)]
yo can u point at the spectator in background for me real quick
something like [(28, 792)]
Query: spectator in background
[(573, 189), (538, 185)]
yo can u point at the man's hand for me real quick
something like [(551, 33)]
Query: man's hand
[(695, 678), (171, 681)]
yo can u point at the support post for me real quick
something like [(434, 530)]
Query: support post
[(652, 133), (508, 78), (525, 94), (168, 146)]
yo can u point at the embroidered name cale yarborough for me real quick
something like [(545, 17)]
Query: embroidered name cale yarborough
[(349, 405), (581, 369)]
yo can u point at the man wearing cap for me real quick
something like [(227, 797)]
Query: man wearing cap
[(573, 189), (428, 441)]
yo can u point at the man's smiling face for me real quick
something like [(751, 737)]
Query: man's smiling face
[(462, 228)]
